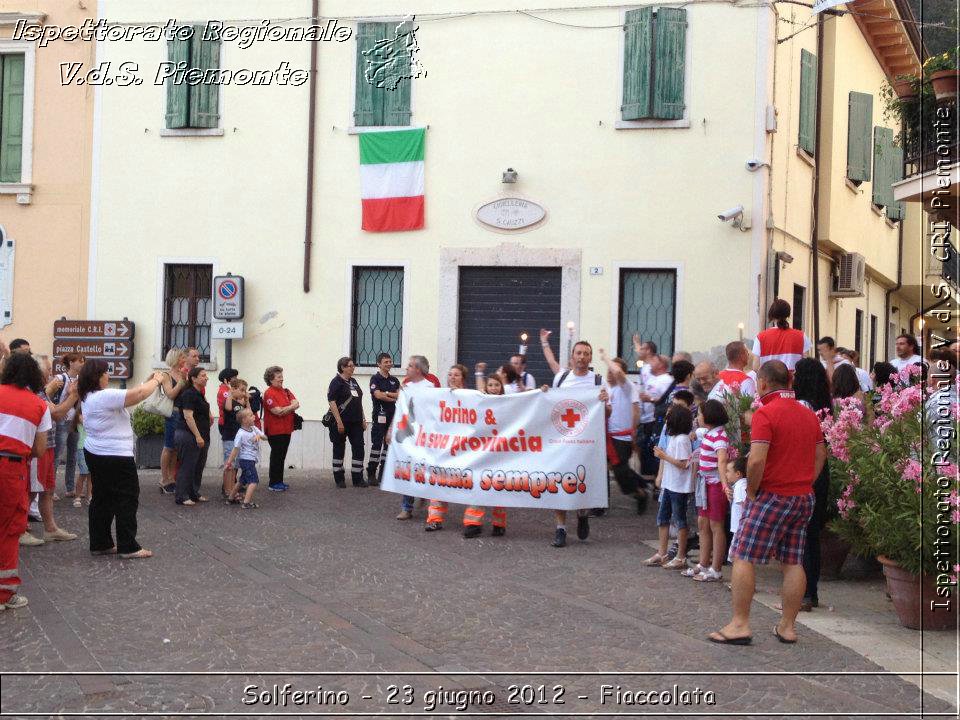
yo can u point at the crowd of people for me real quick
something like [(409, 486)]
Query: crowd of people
[(666, 427)]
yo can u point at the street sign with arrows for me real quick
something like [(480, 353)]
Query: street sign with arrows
[(107, 340), (94, 348), (92, 329)]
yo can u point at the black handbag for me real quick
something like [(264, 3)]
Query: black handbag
[(297, 422), (328, 420)]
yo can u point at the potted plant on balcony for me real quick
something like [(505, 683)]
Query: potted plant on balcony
[(149, 431), (891, 505), (942, 71), (905, 100)]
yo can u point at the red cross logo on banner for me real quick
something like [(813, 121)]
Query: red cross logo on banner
[(569, 417)]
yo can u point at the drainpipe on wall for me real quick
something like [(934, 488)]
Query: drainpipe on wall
[(311, 132), (815, 230)]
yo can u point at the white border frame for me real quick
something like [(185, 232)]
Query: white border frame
[(505, 255), (678, 267), (348, 314), (162, 262), (355, 129), (24, 189), (654, 124)]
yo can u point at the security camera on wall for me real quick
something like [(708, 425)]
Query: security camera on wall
[(740, 219), (731, 214)]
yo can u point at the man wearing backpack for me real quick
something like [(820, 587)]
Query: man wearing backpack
[(578, 375), (655, 394), (66, 439)]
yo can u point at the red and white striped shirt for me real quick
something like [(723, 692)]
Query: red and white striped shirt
[(22, 415), (713, 442), (784, 344)]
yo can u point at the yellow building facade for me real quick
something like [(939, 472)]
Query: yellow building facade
[(46, 160)]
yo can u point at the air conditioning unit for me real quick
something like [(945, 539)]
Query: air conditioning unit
[(850, 276)]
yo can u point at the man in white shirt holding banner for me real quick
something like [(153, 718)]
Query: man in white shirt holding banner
[(543, 450)]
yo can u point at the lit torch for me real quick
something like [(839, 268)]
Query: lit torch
[(523, 343)]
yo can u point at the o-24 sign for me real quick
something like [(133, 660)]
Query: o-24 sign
[(228, 297)]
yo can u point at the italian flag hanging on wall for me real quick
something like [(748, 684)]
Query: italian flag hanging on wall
[(391, 179)]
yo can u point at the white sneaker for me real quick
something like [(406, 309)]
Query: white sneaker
[(28, 540), (77, 502), (15, 602)]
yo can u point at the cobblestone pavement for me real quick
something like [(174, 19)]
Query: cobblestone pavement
[(325, 580)]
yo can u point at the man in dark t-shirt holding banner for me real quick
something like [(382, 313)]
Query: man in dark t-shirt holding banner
[(384, 390), (787, 453)]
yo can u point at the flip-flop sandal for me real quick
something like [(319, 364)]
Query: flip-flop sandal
[(655, 561), (781, 638), (724, 640)]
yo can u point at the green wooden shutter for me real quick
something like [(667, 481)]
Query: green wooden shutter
[(668, 65), (882, 167), (860, 120), (808, 102), (396, 102), (895, 210), (11, 117), (204, 97), (368, 99), (177, 94), (637, 63)]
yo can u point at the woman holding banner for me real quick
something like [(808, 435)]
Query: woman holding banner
[(437, 510), (473, 515)]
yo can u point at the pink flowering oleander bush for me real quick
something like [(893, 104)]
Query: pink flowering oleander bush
[(889, 500)]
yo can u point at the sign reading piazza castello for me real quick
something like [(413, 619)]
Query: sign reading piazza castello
[(510, 213)]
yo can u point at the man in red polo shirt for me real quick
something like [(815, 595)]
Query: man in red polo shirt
[(787, 452), (24, 420)]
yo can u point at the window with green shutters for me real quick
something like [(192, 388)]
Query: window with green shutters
[(382, 87), (887, 169), (11, 117), (654, 58), (895, 210), (808, 102), (193, 105), (859, 137)]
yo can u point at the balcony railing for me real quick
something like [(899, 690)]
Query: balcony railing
[(935, 141)]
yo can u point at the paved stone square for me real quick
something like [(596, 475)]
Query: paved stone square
[(326, 580)]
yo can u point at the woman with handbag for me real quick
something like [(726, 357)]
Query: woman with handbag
[(161, 403), (346, 408), (279, 422)]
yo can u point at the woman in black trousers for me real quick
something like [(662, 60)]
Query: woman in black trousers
[(346, 406), (108, 451), (812, 388), (192, 438)]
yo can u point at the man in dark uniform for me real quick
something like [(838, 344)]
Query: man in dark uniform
[(384, 389)]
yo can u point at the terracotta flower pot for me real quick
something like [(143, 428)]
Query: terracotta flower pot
[(904, 89), (905, 591), (833, 554), (944, 84)]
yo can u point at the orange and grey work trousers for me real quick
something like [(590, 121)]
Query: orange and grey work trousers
[(14, 503), (436, 512), (473, 516)]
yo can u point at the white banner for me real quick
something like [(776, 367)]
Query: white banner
[(533, 449)]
